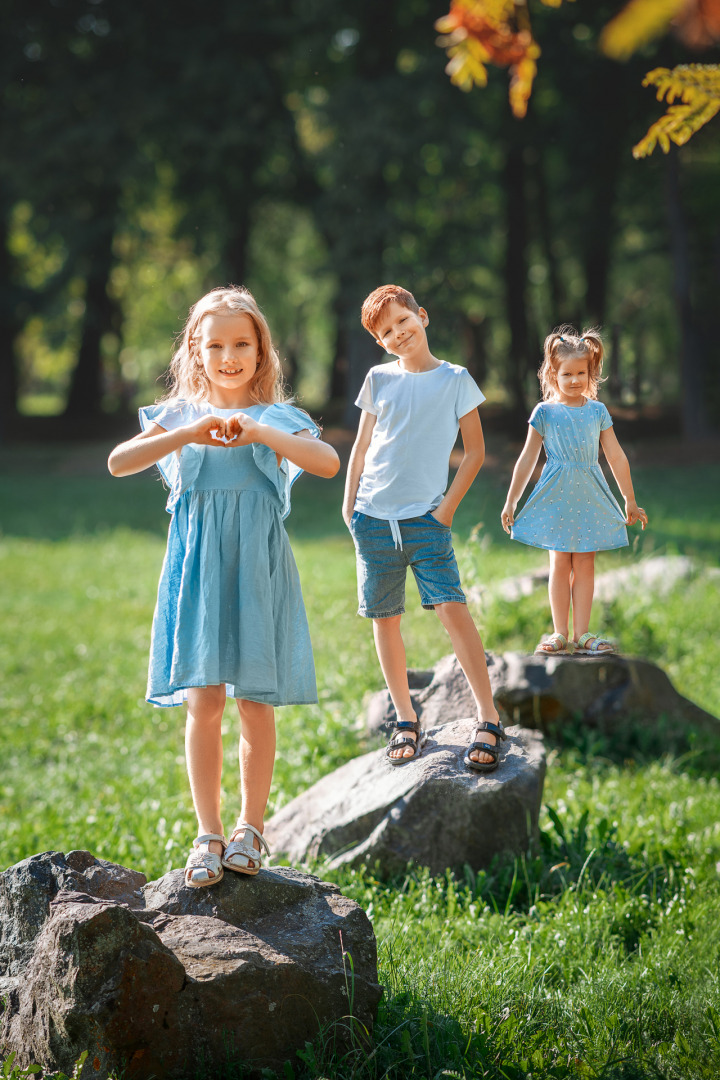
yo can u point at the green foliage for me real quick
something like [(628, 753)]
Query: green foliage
[(698, 87), (592, 956)]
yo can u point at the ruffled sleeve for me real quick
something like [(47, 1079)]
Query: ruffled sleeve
[(178, 471), (287, 418), (537, 419)]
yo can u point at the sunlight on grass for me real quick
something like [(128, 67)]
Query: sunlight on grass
[(595, 956)]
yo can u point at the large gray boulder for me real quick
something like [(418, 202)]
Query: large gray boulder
[(432, 811), (615, 695), (165, 981)]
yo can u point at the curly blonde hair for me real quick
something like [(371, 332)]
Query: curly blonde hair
[(564, 343), (186, 376)]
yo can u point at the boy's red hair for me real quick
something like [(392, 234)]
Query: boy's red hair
[(379, 299)]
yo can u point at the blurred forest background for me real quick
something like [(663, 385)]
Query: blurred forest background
[(312, 150)]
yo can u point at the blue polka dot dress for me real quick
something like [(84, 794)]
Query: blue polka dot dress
[(571, 508), (229, 607)]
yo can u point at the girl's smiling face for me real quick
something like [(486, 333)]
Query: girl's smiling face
[(572, 379), (229, 353)]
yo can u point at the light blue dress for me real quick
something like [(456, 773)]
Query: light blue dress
[(229, 606), (571, 508)]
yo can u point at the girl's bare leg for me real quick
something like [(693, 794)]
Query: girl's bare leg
[(390, 648), (204, 756), (257, 760), (583, 587), (559, 590), (468, 647)]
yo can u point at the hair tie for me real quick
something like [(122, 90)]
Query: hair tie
[(562, 339)]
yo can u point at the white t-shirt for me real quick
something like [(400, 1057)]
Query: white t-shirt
[(407, 462)]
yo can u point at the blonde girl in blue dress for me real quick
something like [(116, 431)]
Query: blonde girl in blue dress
[(571, 511), (229, 620)]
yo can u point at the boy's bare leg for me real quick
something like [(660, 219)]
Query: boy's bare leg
[(468, 647), (559, 591), (257, 760), (204, 756), (391, 654)]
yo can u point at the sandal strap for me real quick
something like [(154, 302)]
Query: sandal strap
[(495, 729), (557, 643), (395, 743), (207, 837), (485, 748), (237, 845), (408, 725), (595, 643)]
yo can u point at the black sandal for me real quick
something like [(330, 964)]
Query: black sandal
[(485, 748), (398, 743)]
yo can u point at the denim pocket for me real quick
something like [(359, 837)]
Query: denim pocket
[(435, 521)]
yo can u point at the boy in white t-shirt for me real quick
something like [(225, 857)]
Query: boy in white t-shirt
[(399, 513)]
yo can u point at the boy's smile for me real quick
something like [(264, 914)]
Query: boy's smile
[(401, 333)]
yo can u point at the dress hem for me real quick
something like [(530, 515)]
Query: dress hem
[(573, 550), (158, 703)]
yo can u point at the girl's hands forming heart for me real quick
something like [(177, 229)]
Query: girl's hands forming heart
[(241, 430), (208, 431)]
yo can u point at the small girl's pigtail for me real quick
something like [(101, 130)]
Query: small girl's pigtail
[(595, 352)]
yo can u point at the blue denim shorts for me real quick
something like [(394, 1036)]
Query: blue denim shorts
[(382, 567)]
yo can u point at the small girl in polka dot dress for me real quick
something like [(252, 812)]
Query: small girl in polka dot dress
[(571, 511)]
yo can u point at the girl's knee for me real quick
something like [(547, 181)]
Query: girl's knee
[(206, 703), (255, 713)]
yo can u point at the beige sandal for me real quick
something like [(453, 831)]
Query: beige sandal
[(594, 645), (556, 643), (244, 850), (203, 866)]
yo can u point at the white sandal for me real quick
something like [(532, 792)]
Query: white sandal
[(202, 862), (245, 850)]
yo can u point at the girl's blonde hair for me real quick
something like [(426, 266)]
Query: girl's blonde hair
[(563, 344), (186, 376)]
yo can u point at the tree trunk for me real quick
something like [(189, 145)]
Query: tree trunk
[(692, 370), (10, 327), (558, 302), (474, 336), (86, 386), (516, 276)]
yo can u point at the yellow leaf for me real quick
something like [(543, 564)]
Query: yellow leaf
[(698, 87), (639, 22)]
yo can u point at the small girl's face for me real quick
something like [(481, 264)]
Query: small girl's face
[(229, 352), (573, 378)]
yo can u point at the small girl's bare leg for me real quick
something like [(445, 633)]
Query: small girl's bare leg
[(559, 590), (583, 588), (204, 755), (257, 760)]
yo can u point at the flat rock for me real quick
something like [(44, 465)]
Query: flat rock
[(614, 695), (432, 811), (160, 980)]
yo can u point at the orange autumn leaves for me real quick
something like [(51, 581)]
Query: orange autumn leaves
[(481, 32)]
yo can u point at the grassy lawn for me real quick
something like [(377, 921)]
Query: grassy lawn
[(596, 956)]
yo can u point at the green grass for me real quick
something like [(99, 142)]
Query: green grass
[(596, 956)]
